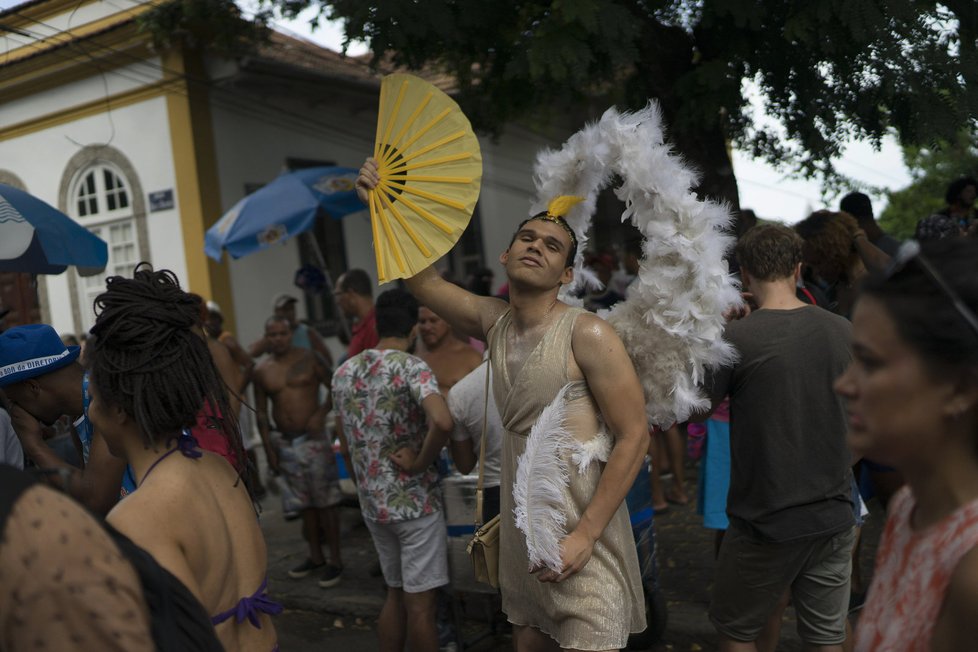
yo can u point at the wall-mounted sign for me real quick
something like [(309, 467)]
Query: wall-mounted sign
[(161, 200)]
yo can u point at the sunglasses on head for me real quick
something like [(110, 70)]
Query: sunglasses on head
[(910, 251)]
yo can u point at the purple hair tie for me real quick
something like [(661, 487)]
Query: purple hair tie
[(187, 444)]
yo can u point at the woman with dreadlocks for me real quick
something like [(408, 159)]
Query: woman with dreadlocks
[(151, 376)]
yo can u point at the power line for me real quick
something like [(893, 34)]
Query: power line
[(268, 113), (751, 182), (848, 161), (239, 110), (209, 84), (297, 119)]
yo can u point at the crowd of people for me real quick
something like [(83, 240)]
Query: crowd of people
[(855, 378)]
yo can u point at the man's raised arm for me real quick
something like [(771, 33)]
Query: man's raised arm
[(465, 311)]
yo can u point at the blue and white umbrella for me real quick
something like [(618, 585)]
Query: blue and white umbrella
[(40, 239), (284, 208)]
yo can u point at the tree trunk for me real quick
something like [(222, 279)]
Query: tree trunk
[(707, 150), (665, 57)]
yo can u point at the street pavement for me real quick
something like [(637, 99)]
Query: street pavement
[(344, 617)]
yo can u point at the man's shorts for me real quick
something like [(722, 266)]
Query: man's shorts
[(413, 554), (310, 469), (753, 574)]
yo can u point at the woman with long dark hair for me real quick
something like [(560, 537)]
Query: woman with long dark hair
[(912, 392), (151, 376)]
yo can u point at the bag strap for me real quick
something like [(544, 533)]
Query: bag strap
[(807, 293), (482, 450)]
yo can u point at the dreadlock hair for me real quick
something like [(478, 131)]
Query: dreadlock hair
[(149, 357)]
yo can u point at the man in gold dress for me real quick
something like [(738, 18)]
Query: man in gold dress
[(538, 345)]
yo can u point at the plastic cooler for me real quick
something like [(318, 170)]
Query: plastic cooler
[(347, 486)]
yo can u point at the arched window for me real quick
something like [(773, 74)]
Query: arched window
[(100, 193), (101, 201)]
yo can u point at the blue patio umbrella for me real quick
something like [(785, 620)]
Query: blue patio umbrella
[(284, 208), (37, 238)]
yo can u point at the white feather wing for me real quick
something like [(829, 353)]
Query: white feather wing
[(672, 322)]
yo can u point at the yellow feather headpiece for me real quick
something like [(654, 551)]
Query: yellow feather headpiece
[(560, 206), (557, 209)]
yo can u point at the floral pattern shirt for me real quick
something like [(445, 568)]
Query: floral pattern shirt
[(378, 394)]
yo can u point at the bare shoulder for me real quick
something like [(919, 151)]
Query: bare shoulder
[(591, 330), (166, 502), (599, 351), (490, 310), (465, 349), (963, 587), (138, 514), (220, 353), (957, 625)]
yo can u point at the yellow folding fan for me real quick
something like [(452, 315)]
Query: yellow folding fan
[(430, 173)]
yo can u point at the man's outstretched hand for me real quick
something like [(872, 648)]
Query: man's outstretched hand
[(368, 179)]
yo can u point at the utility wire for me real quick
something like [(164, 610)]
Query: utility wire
[(297, 119), (268, 113), (751, 182)]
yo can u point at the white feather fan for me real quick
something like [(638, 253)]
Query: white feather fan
[(541, 475)]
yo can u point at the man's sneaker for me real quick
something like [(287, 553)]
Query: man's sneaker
[(304, 569), (332, 576)]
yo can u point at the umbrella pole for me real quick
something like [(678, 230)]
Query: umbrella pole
[(318, 253)]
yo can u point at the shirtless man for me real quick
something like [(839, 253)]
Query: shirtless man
[(214, 327), (298, 446), (236, 368), (303, 336), (232, 372), (450, 358), (583, 606)]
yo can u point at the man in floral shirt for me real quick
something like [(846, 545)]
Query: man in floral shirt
[(387, 399)]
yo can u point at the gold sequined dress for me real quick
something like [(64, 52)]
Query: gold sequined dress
[(597, 608)]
